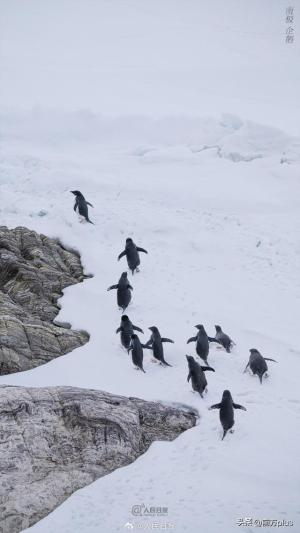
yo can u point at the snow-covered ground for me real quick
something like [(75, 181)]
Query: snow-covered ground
[(214, 200)]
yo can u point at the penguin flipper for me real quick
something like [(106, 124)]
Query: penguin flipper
[(205, 368), (137, 329), (88, 203), (75, 205), (212, 339), (121, 255), (191, 339), (268, 359), (141, 250), (238, 406), (165, 363), (215, 406), (147, 346), (129, 287), (113, 287), (119, 329), (165, 339), (189, 376)]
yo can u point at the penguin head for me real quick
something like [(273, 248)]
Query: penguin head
[(254, 351), (226, 395), (200, 327), (153, 329), (124, 275), (129, 240), (124, 318), (190, 359), (134, 336), (76, 193), (218, 329)]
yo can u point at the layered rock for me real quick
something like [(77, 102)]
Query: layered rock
[(56, 440), (34, 270)]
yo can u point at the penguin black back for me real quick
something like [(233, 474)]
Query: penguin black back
[(81, 205), (126, 330), (202, 344), (123, 291), (223, 339), (196, 374), (258, 363), (155, 343), (227, 407), (136, 349), (132, 254)]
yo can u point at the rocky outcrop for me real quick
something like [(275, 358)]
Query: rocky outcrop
[(34, 270), (55, 440)]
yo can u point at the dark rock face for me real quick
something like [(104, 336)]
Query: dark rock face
[(56, 440), (33, 272)]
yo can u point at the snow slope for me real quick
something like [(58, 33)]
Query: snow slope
[(178, 148), (201, 215)]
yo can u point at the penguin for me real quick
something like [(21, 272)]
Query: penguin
[(123, 291), (227, 407), (81, 205), (155, 343), (196, 373), (223, 339), (132, 255), (126, 329), (258, 363), (202, 344), (136, 347)]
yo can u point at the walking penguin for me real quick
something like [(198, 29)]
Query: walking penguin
[(196, 374), (223, 339), (227, 407), (258, 363), (155, 343), (202, 344), (136, 348), (132, 255), (81, 206), (127, 330), (123, 291)]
